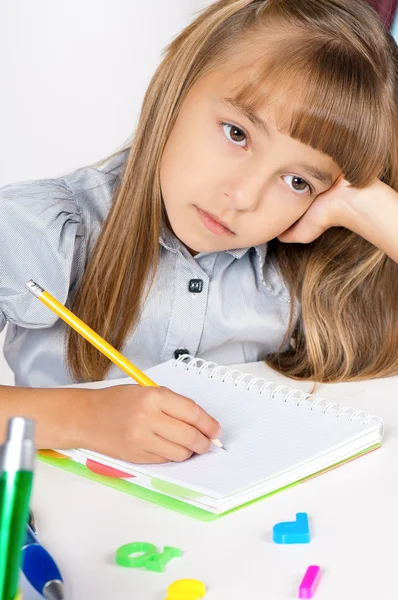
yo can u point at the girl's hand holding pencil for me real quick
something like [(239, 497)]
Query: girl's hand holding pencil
[(146, 424), (142, 424)]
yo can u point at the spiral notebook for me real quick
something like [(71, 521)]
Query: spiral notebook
[(276, 436)]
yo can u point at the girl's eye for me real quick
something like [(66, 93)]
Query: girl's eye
[(299, 185), (234, 134)]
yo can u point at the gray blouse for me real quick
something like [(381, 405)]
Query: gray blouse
[(229, 307)]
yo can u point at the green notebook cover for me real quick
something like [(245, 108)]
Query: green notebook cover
[(172, 503)]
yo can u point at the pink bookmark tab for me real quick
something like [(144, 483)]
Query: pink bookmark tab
[(310, 582)]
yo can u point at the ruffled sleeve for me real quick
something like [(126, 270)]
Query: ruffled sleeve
[(41, 238)]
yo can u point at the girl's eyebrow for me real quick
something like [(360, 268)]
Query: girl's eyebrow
[(248, 113), (325, 178)]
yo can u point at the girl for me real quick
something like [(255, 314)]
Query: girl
[(254, 217)]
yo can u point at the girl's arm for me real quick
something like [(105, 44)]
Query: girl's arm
[(374, 216), (371, 212), (129, 422), (59, 413)]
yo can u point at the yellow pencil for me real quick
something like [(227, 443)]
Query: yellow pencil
[(96, 340)]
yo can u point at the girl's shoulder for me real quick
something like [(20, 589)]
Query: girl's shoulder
[(84, 194), (46, 228), (92, 187)]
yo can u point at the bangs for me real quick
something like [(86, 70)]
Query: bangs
[(326, 96)]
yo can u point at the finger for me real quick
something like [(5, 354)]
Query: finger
[(149, 458), (185, 409), (138, 457), (169, 450), (156, 445), (290, 236), (182, 434)]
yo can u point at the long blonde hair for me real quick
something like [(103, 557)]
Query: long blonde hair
[(334, 66)]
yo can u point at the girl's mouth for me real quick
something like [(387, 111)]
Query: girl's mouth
[(213, 224)]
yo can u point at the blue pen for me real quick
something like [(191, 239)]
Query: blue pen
[(40, 569)]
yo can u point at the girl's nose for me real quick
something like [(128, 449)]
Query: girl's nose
[(246, 190)]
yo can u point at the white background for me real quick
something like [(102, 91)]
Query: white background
[(73, 76)]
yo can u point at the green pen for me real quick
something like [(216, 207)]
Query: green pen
[(17, 456)]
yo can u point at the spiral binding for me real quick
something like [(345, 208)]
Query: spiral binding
[(248, 382)]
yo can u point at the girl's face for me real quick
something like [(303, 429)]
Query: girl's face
[(232, 180)]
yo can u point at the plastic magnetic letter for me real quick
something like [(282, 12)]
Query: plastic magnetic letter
[(149, 557), (158, 561), (124, 558), (310, 582), (186, 589), (292, 532)]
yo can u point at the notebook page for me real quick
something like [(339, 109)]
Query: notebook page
[(264, 437)]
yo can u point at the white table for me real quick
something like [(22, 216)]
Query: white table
[(353, 513)]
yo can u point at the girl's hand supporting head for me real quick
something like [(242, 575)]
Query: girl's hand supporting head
[(330, 209), (146, 425)]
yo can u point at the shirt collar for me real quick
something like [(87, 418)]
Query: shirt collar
[(169, 241)]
